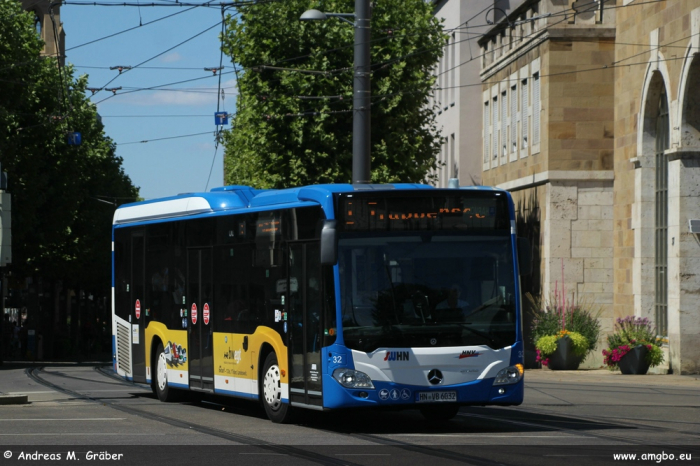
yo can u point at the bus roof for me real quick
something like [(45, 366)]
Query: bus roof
[(240, 198)]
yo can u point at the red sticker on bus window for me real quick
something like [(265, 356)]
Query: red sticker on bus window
[(205, 314), (137, 308), (194, 313)]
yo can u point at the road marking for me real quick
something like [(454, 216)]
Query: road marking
[(82, 419), (485, 435), (272, 454), (53, 391), (74, 433)]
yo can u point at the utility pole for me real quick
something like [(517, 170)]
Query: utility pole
[(361, 124), (361, 93)]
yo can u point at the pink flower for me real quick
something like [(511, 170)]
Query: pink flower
[(539, 358)]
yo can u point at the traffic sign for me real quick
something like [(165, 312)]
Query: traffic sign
[(221, 118)]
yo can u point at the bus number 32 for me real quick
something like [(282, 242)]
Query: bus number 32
[(337, 359)]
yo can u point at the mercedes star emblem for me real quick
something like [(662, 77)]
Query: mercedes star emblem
[(435, 377)]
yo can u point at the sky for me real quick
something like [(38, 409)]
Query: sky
[(168, 163)]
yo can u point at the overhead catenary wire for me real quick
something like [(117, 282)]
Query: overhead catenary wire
[(169, 4), (131, 28), (219, 95), (159, 54), (143, 141), (307, 113), (310, 113), (161, 85)]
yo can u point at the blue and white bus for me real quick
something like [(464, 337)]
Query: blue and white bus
[(323, 297)]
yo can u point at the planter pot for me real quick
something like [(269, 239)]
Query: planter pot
[(635, 361), (564, 358)]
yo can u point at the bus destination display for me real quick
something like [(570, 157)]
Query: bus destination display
[(441, 212)]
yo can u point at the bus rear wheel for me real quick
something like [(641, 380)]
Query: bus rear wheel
[(275, 409), (160, 382), (439, 412)]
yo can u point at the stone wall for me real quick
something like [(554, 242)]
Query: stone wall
[(658, 41)]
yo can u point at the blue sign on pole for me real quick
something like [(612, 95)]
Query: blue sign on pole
[(221, 118), (74, 138)]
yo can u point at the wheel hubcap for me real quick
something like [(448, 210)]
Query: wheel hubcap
[(273, 387), (162, 372)]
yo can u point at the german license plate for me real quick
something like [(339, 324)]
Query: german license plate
[(436, 397)]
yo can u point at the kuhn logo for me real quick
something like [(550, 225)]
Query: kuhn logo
[(396, 356), (469, 354)]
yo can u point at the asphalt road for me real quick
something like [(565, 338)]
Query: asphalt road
[(578, 417)]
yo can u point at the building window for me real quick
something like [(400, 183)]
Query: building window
[(535, 109), (445, 163), (454, 169), (513, 119), (445, 74), (661, 217), (37, 23), (524, 117), (453, 70), (487, 134), (494, 127), (504, 120)]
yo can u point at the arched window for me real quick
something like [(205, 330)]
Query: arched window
[(661, 215), (37, 23), (691, 107)]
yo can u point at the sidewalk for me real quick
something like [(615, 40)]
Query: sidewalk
[(596, 376)]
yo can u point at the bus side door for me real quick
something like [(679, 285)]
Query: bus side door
[(200, 326), (138, 304), (304, 310)]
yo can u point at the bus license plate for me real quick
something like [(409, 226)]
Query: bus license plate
[(436, 397)]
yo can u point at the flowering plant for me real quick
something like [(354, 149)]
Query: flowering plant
[(559, 318), (629, 333)]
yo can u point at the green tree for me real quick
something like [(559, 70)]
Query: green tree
[(60, 230), (281, 137)]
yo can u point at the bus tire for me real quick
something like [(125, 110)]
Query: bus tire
[(439, 412), (160, 380), (275, 409)]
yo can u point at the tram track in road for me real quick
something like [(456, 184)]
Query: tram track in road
[(519, 425), (267, 447), (584, 427), (626, 422), (337, 455), (584, 424)]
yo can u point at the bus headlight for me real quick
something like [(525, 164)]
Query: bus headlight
[(509, 375), (350, 378)]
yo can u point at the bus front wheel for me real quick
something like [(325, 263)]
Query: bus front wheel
[(160, 383), (275, 409)]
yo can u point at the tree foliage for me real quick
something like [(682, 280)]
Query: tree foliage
[(60, 230), (281, 138)]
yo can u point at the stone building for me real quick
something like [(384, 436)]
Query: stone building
[(591, 118), (44, 25), (657, 171), (457, 94)]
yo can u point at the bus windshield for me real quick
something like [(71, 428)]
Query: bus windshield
[(427, 289)]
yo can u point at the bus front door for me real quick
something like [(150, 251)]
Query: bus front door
[(304, 310), (137, 302), (200, 327)]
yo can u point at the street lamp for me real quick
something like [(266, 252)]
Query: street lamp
[(361, 129)]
